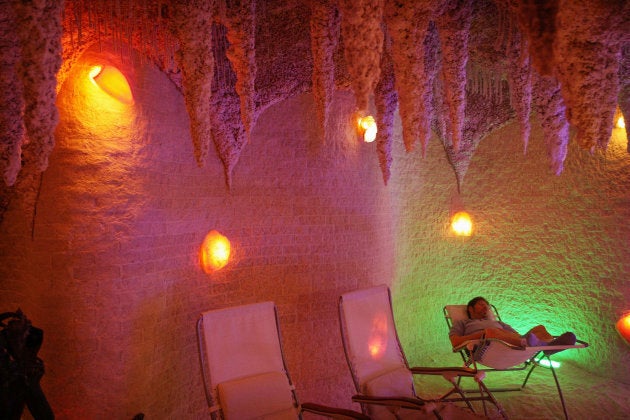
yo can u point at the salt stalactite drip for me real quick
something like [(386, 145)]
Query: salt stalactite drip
[(386, 101), (552, 110), (239, 17), (520, 82), (624, 91), (228, 132), (538, 21), (40, 32), (363, 45), (11, 99), (454, 28), (587, 52), (192, 27), (407, 25), (324, 26)]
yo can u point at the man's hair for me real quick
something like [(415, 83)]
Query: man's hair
[(472, 303)]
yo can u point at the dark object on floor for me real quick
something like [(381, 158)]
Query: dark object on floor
[(21, 369)]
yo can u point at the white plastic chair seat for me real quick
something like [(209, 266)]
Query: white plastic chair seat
[(266, 395)]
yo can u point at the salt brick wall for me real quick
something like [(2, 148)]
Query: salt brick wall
[(110, 270)]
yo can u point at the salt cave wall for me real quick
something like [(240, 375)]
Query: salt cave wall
[(104, 255), (546, 250)]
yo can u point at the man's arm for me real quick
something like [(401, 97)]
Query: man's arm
[(457, 340)]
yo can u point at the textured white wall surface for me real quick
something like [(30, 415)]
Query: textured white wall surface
[(105, 257), (546, 249)]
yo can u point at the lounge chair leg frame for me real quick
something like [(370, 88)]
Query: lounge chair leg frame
[(484, 395), (535, 362)]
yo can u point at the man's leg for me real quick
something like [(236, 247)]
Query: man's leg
[(541, 334), (507, 336)]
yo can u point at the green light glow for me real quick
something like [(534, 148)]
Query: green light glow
[(545, 363)]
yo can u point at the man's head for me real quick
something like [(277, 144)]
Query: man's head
[(478, 308)]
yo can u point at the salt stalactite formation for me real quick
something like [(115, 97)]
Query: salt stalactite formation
[(239, 17), (363, 45), (552, 110), (454, 29), (324, 27), (587, 55), (538, 21), (624, 92), (386, 101), (39, 31), (12, 134), (193, 28), (519, 77), (407, 24), (485, 82), (228, 131)]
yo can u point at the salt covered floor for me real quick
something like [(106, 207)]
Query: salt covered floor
[(587, 396)]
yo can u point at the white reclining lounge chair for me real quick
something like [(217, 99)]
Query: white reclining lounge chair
[(381, 374), (497, 355), (244, 373)]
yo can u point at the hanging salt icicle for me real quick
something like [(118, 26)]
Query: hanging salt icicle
[(589, 74), (240, 21), (555, 127), (520, 82), (324, 27), (454, 28), (386, 101), (363, 44), (407, 25), (192, 26), (12, 134), (40, 37)]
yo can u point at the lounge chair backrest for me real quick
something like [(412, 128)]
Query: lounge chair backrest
[(244, 369), (373, 351)]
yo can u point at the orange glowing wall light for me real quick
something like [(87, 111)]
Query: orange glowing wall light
[(113, 82), (377, 342), (215, 252), (461, 223), (623, 326), (367, 128)]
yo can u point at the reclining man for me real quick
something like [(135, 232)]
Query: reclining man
[(480, 325)]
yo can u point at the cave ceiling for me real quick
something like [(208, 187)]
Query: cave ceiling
[(455, 68)]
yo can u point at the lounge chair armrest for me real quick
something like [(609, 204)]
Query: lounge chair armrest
[(402, 402), (469, 344), (333, 412), (448, 370)]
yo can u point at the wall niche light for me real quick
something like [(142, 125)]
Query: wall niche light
[(215, 252), (623, 326), (367, 128), (113, 82), (461, 224), (620, 122)]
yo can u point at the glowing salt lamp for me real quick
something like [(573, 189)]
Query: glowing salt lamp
[(461, 223), (620, 122), (112, 81), (215, 252), (367, 128), (623, 326)]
